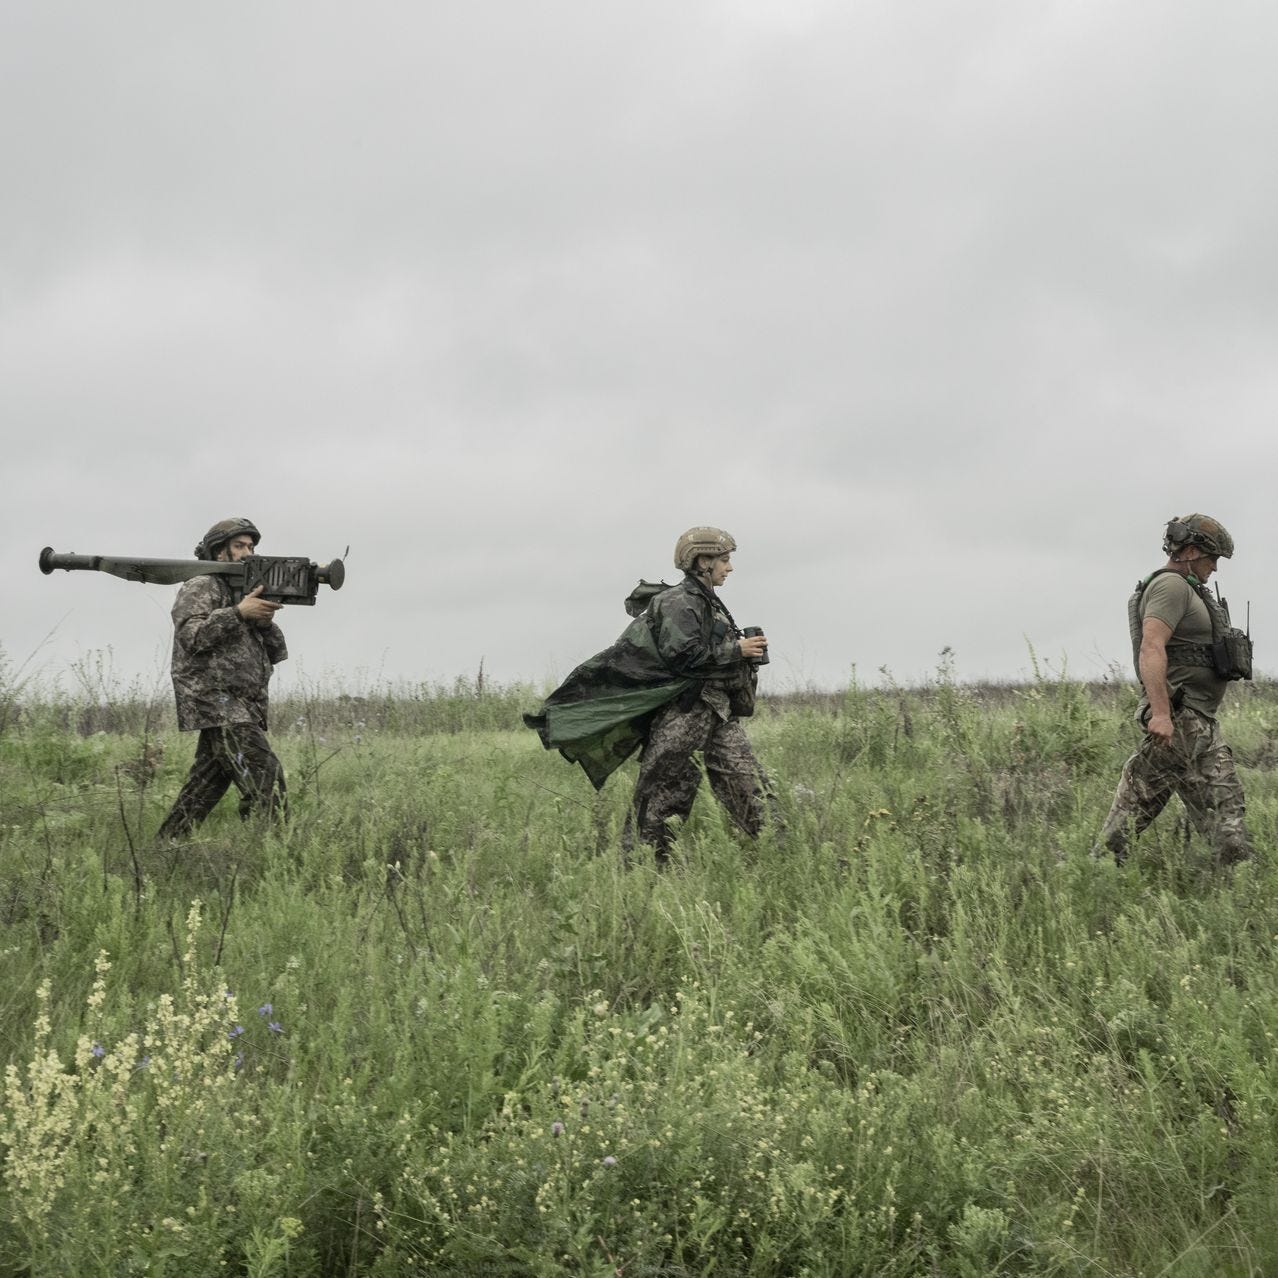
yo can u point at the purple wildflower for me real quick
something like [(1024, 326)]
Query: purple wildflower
[(610, 1161), (556, 1129), (275, 1027), (239, 1060), (236, 1032), (98, 1050), (265, 1010)]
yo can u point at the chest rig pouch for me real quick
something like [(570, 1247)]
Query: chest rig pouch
[(1230, 647)]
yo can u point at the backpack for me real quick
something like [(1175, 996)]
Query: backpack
[(643, 594)]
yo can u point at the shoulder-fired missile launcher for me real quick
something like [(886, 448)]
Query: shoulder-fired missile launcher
[(283, 580)]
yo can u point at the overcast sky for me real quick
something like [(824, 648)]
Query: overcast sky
[(941, 309)]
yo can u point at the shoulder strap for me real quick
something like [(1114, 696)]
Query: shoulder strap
[(1216, 610), (1144, 583), (716, 603)]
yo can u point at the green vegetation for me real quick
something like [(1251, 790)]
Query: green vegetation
[(436, 1025)]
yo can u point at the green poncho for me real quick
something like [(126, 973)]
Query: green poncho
[(598, 717)]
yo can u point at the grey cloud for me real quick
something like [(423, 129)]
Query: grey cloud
[(936, 307)]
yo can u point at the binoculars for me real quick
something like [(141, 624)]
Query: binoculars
[(749, 633)]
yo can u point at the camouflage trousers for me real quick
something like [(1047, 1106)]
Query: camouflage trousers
[(669, 776), (234, 754), (1198, 766)]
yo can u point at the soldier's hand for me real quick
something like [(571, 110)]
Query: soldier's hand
[(1160, 726), (251, 608), (753, 647)]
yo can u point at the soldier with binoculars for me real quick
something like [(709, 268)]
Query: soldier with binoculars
[(696, 632), (676, 683)]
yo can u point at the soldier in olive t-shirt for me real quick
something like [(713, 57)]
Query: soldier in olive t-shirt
[(1183, 752), (1171, 599)]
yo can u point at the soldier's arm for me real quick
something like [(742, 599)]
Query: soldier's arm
[(681, 643), (199, 623), (1154, 635)]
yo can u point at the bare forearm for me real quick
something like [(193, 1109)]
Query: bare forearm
[(1153, 674), (1152, 663)]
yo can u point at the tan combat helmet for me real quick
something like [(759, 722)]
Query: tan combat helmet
[(221, 533), (1198, 530), (701, 541)]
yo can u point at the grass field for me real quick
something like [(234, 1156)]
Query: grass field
[(435, 1025)]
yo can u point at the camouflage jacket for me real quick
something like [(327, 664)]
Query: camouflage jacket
[(684, 643), (221, 664)]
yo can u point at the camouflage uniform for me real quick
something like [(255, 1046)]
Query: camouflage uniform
[(221, 668), (669, 777), (1198, 766), (697, 637)]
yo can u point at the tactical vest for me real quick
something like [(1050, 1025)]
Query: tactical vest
[(1228, 654)]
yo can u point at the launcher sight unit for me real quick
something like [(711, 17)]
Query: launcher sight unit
[(283, 580)]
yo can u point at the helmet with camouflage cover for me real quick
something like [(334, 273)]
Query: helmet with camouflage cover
[(1198, 530), (701, 541), (222, 532)]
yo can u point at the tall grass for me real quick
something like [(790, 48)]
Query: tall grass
[(436, 1025)]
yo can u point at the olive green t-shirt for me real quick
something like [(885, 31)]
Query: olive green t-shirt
[(1171, 599)]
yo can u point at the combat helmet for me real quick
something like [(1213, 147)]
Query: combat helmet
[(701, 541), (222, 532), (1198, 530)]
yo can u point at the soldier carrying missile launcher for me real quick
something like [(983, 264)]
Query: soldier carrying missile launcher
[(225, 647), (224, 653)]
